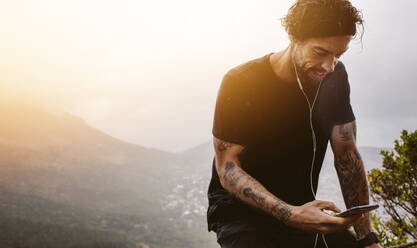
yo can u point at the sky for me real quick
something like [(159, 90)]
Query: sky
[(148, 72)]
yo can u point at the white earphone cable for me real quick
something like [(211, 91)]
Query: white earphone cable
[(311, 107)]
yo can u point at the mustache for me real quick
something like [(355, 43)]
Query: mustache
[(319, 70)]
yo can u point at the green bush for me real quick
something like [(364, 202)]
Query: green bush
[(394, 186)]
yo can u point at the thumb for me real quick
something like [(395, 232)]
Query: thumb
[(328, 206)]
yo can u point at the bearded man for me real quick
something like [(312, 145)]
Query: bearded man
[(273, 119)]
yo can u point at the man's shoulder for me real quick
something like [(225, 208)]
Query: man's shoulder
[(339, 70), (338, 78), (340, 67), (248, 70)]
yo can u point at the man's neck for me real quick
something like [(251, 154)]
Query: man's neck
[(281, 63), (283, 67)]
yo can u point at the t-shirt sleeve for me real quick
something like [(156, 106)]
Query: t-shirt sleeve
[(343, 112), (232, 116)]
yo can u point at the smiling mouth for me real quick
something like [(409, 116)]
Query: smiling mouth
[(318, 75)]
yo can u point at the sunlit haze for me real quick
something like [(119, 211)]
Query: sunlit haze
[(148, 72)]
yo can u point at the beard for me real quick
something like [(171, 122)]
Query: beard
[(304, 72)]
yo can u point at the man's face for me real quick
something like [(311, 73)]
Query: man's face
[(316, 57)]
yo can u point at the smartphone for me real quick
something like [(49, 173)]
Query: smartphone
[(357, 210)]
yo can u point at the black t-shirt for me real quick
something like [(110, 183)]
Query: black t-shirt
[(270, 118)]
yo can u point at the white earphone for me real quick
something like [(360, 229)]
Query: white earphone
[(311, 107)]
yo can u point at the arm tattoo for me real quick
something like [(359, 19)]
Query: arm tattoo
[(358, 156), (282, 211), (222, 145), (362, 227), (347, 131), (230, 174), (352, 177), (252, 190), (258, 199)]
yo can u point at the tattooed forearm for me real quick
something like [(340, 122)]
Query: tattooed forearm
[(257, 198), (282, 211), (233, 176), (352, 179), (246, 188), (230, 174), (351, 172), (354, 186), (362, 227), (358, 156)]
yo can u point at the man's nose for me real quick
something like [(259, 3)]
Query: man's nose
[(329, 64)]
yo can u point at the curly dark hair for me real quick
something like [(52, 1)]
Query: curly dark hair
[(322, 18)]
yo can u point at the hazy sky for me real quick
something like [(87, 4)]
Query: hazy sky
[(148, 71)]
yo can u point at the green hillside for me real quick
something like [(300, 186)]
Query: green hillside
[(60, 176)]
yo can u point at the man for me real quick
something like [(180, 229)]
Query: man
[(273, 119)]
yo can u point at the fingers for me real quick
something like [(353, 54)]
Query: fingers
[(336, 224), (353, 218), (347, 221), (327, 205), (327, 223)]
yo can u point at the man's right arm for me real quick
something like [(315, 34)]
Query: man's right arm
[(235, 180)]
